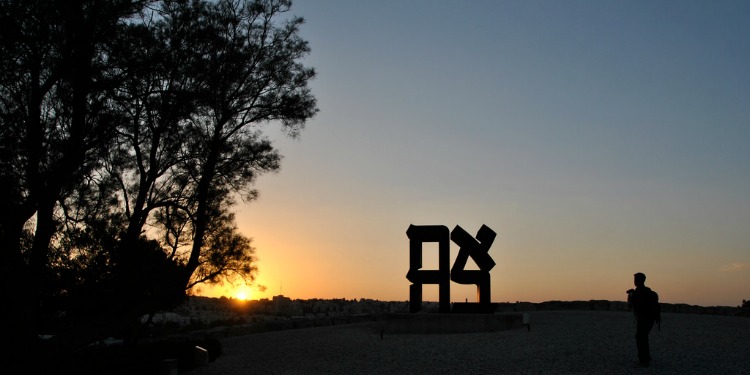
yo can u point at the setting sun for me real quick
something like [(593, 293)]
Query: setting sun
[(242, 294)]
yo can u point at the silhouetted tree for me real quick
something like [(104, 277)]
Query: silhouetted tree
[(251, 73), (220, 71), (55, 123), (128, 128)]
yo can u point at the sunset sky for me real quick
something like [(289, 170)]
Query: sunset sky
[(597, 138)]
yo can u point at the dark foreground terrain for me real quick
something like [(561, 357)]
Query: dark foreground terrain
[(559, 342)]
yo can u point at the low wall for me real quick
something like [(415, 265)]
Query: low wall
[(449, 323)]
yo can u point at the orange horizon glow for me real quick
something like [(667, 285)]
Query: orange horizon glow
[(509, 285), (238, 291), (242, 294)]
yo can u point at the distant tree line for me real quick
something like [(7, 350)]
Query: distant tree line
[(128, 130)]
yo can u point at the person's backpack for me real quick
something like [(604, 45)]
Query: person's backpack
[(654, 308)]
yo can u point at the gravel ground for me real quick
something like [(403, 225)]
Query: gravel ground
[(559, 342)]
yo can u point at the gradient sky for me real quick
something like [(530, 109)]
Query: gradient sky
[(597, 138)]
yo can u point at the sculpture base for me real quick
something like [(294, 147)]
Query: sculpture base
[(449, 323), (473, 308)]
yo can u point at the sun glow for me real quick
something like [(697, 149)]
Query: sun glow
[(242, 294)]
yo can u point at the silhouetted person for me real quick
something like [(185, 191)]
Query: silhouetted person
[(645, 305)]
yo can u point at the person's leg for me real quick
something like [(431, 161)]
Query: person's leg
[(641, 341)]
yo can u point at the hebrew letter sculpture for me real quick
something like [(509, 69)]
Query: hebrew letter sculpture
[(478, 250), (417, 236)]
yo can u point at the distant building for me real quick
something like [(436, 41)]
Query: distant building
[(281, 305)]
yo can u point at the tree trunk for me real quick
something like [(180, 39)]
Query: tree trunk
[(203, 198)]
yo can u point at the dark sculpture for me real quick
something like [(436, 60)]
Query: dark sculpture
[(419, 234), (476, 248)]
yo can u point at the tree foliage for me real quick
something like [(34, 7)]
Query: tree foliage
[(127, 131)]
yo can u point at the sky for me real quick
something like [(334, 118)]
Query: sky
[(596, 138)]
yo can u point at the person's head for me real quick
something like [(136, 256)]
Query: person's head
[(639, 279)]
